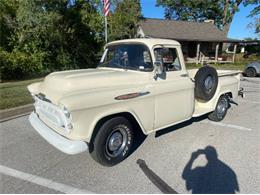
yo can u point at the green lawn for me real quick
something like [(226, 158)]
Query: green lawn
[(15, 93)]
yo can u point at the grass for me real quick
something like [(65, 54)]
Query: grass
[(15, 93)]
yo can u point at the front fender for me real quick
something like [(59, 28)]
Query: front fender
[(88, 109)]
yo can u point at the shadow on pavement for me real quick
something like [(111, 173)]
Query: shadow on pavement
[(214, 178), (155, 179)]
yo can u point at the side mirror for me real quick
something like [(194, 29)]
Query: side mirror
[(159, 69)]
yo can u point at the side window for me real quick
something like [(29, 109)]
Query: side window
[(169, 57)]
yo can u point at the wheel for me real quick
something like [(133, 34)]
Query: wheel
[(250, 72), (113, 141), (221, 109), (206, 83)]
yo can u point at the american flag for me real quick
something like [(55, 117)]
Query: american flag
[(106, 7)]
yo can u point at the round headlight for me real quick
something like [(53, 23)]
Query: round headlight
[(66, 113)]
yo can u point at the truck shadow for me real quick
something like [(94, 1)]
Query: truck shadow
[(140, 137), (180, 125), (215, 177)]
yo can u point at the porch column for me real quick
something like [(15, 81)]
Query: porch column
[(216, 52), (198, 53), (234, 53)]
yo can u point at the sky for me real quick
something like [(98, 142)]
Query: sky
[(238, 28)]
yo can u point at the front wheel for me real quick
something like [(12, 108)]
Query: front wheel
[(221, 109), (113, 141)]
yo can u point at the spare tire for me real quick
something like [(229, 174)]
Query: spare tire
[(206, 83)]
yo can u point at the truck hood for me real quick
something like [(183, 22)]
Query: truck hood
[(59, 84)]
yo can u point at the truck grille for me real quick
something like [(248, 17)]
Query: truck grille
[(50, 113)]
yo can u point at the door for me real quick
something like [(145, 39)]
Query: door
[(174, 90)]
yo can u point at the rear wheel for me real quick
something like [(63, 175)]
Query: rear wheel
[(221, 109), (113, 141), (250, 72)]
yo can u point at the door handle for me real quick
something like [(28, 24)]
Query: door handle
[(184, 75)]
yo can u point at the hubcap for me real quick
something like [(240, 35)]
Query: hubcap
[(208, 83), (250, 73), (221, 108), (116, 142)]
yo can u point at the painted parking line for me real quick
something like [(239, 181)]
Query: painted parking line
[(250, 87), (250, 101), (42, 181), (226, 125)]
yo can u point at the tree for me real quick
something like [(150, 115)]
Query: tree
[(7, 21), (255, 24), (221, 11), (124, 19), (50, 35)]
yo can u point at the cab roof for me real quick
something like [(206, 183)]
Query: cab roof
[(150, 42)]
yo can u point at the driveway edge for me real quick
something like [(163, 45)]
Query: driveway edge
[(12, 113)]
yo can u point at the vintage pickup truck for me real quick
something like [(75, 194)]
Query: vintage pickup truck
[(140, 85)]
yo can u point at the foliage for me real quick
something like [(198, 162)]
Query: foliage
[(255, 13), (123, 21), (222, 11), (17, 64), (42, 36)]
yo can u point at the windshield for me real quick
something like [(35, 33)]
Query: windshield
[(127, 56)]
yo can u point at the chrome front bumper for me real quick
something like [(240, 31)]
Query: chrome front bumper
[(61, 143)]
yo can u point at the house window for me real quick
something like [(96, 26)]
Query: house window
[(169, 57)]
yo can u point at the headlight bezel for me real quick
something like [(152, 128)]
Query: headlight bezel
[(68, 117)]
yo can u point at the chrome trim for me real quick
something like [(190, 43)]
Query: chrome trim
[(131, 95), (61, 143), (53, 114)]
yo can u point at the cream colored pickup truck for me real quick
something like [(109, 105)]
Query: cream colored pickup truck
[(139, 85)]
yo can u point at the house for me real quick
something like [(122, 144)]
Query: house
[(201, 41)]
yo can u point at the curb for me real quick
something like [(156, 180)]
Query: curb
[(16, 112)]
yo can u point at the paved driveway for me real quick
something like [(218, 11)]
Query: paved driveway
[(228, 159)]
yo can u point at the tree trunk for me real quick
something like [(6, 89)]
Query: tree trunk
[(226, 6), (226, 28), (227, 20)]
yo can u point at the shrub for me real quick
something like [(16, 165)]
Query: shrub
[(18, 65)]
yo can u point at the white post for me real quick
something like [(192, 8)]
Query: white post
[(234, 53), (216, 52), (106, 29), (198, 53)]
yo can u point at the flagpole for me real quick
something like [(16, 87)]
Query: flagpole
[(106, 29), (106, 4)]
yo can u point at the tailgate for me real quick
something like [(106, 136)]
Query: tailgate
[(222, 73)]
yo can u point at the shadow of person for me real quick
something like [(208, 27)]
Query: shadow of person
[(214, 178)]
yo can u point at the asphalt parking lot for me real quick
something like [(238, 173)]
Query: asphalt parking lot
[(228, 159)]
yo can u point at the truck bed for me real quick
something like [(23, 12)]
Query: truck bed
[(221, 73), (228, 83)]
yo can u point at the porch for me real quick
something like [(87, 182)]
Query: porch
[(209, 52)]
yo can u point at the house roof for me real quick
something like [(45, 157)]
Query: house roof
[(182, 30)]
